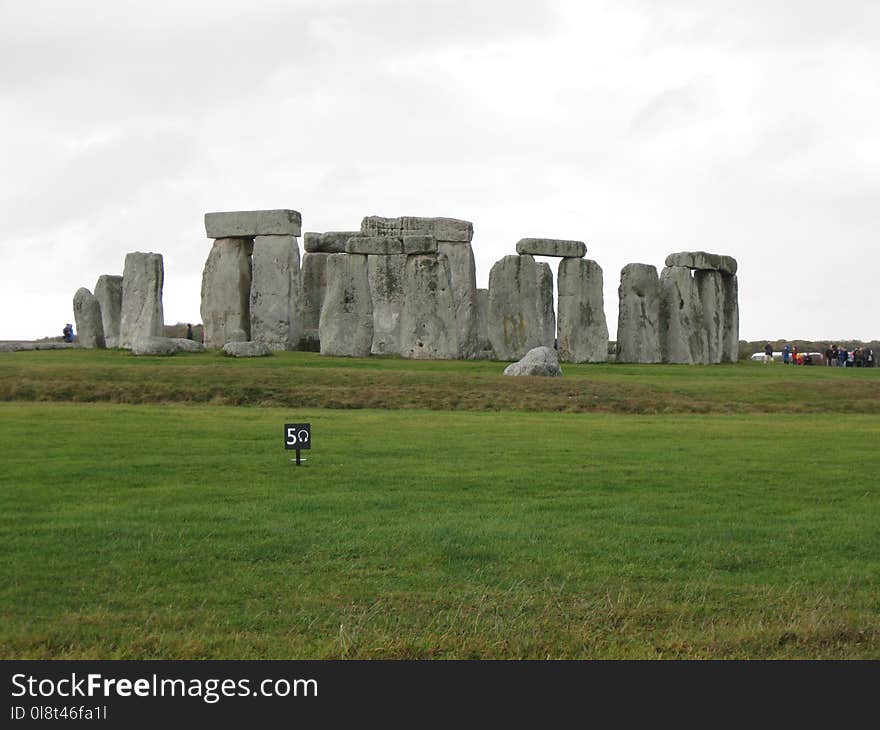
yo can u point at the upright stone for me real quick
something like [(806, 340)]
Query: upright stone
[(463, 273), (314, 289), (513, 324), (142, 280), (638, 321), (546, 311), (583, 330), (484, 347), (386, 275), (428, 327), (730, 319), (711, 292), (682, 334), (87, 315), (275, 292), (346, 323), (226, 291), (108, 292)]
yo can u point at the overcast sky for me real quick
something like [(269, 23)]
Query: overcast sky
[(744, 127)]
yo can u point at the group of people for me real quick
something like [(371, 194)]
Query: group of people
[(835, 356), (67, 332)]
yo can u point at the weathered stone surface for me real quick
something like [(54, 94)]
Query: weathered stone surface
[(703, 261), (711, 293), (247, 349), (346, 323), (226, 290), (419, 243), (386, 275), (328, 242), (275, 292), (443, 229), (682, 335), (108, 292), (514, 327), (87, 315), (428, 327), (26, 345), (250, 223), (542, 361), (552, 247), (638, 321), (463, 273), (313, 290), (730, 319), (142, 280), (484, 347), (546, 311), (375, 245), (164, 346), (583, 330)]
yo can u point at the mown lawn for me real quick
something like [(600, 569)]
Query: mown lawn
[(181, 531)]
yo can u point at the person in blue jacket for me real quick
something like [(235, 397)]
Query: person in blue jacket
[(786, 355)]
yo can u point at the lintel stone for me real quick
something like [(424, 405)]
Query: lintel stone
[(552, 247), (249, 223)]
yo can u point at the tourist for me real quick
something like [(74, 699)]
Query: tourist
[(829, 356), (842, 357), (768, 353), (189, 332), (68, 332), (786, 354)]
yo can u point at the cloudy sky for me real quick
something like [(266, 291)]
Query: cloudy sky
[(744, 127)]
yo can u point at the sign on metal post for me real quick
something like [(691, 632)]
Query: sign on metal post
[(298, 436)]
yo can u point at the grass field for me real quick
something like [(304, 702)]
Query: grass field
[(674, 512)]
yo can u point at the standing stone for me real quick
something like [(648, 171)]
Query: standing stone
[(226, 290), (314, 289), (275, 292), (638, 321), (346, 323), (711, 293), (386, 275), (484, 347), (730, 319), (463, 273), (514, 327), (682, 334), (583, 330), (87, 315), (108, 292), (142, 280), (546, 312), (428, 328)]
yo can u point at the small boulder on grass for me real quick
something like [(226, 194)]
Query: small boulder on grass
[(164, 346), (537, 361), (246, 349)]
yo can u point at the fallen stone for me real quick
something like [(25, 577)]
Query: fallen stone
[(546, 311), (463, 275), (513, 324), (250, 223), (226, 290), (583, 330), (275, 292), (443, 229), (164, 346), (539, 361), (386, 275), (638, 321), (24, 345), (682, 335), (142, 280), (730, 318), (551, 247), (346, 324), (108, 292), (247, 349), (418, 243), (374, 245), (313, 291), (711, 294), (703, 261), (427, 324), (87, 315), (328, 242)]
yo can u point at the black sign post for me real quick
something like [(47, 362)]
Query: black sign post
[(298, 436)]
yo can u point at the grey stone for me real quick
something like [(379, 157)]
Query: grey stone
[(142, 280), (711, 293), (275, 292), (375, 245), (552, 247), (730, 318), (682, 335), (247, 349), (328, 242), (250, 223), (108, 292), (346, 323), (463, 274), (443, 229), (428, 327), (87, 315), (237, 336), (226, 290), (386, 275), (638, 321), (24, 345), (484, 347), (546, 311), (164, 346), (313, 290), (703, 261), (514, 327), (540, 361), (583, 330), (419, 243)]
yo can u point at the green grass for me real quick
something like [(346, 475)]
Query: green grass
[(180, 531)]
